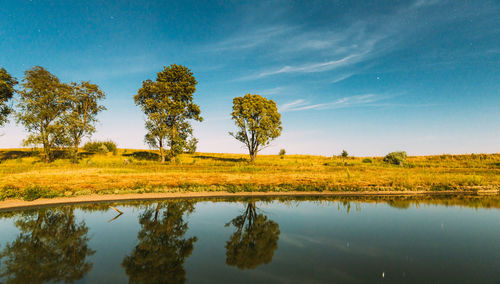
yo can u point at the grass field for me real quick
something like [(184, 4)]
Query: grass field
[(24, 175)]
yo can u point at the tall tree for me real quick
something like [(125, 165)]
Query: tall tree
[(254, 241), (168, 106), (162, 246), (7, 83), (42, 105), (51, 247), (258, 122), (84, 103)]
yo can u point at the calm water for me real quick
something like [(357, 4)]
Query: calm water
[(316, 240)]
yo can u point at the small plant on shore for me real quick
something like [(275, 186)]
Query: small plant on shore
[(396, 158), (282, 153)]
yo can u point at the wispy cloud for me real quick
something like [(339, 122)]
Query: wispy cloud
[(359, 100), (271, 91), (298, 49), (249, 40), (423, 3), (314, 67)]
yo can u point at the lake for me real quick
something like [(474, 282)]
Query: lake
[(438, 239)]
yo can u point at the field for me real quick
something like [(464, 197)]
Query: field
[(23, 174)]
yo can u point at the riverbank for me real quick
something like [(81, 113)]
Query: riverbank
[(18, 204), (24, 176)]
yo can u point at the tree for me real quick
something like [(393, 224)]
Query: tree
[(168, 106), (42, 104), (258, 122), (282, 153), (344, 155), (51, 247), (83, 109), (254, 241), (7, 83), (162, 249)]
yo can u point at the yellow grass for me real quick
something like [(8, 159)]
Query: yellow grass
[(133, 171)]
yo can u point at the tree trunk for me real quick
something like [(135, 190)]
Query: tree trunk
[(75, 151), (253, 156), (46, 150), (162, 154)]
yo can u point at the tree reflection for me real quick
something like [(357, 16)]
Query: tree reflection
[(254, 241), (162, 249), (51, 247)]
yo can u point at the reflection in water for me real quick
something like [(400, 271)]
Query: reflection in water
[(51, 247), (254, 241), (161, 250), (411, 239)]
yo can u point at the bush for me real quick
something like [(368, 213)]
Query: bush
[(100, 147), (282, 153), (111, 146), (396, 158), (344, 154), (367, 161)]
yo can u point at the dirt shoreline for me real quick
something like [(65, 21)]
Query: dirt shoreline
[(19, 204)]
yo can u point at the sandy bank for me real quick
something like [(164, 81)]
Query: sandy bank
[(15, 203)]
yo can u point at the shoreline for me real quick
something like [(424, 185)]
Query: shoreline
[(8, 204)]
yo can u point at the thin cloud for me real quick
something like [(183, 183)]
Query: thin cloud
[(314, 67), (342, 77), (249, 40), (359, 100)]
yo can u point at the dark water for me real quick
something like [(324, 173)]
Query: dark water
[(308, 240)]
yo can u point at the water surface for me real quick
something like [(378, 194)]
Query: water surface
[(293, 240)]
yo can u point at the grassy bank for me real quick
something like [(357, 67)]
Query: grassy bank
[(23, 175)]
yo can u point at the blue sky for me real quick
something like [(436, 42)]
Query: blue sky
[(369, 77)]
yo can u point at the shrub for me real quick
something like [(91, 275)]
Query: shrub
[(282, 153), (100, 147), (367, 161), (396, 158), (111, 146), (344, 154)]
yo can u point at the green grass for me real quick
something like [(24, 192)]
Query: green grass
[(24, 175)]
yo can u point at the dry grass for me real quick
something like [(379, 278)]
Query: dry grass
[(137, 171)]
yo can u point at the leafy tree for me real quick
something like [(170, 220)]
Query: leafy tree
[(7, 83), (51, 247), (162, 249), (282, 153), (254, 241), (344, 154), (83, 109), (168, 106), (258, 122), (42, 104)]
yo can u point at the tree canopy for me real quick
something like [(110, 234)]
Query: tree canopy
[(7, 83), (258, 122), (42, 104), (83, 109), (168, 105), (57, 114)]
